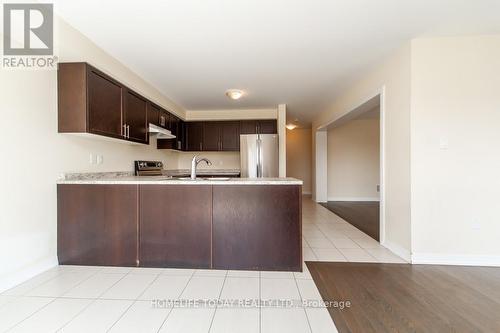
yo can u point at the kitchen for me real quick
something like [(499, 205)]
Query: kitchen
[(246, 219), (164, 165)]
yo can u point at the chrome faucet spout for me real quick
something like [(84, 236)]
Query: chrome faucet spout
[(194, 164)]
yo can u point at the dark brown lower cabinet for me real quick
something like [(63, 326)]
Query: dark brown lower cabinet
[(257, 227), (175, 226), (251, 227), (97, 224)]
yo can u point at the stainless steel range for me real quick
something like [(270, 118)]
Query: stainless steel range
[(148, 168)]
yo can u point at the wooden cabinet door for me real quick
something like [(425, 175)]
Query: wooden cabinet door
[(267, 126), (230, 136), (257, 227), (104, 105), (194, 136), (135, 117), (175, 225), (165, 120), (97, 224), (153, 114), (248, 127), (211, 136)]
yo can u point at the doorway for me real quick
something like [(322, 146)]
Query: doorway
[(350, 153)]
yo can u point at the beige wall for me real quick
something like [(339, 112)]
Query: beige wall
[(232, 114), (354, 160), (28, 105), (298, 156), (220, 160), (393, 75), (455, 127)]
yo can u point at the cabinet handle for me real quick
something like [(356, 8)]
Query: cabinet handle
[(128, 131), (124, 133), (201, 146)]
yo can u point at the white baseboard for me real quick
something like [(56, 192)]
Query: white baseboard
[(23, 275), (398, 250), (306, 192), (455, 259), (353, 199)]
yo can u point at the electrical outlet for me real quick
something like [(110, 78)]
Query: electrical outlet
[(443, 143)]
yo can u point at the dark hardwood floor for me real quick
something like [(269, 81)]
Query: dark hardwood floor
[(410, 298), (364, 215)]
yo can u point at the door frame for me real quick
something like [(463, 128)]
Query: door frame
[(321, 156)]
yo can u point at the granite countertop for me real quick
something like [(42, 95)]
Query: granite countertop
[(128, 178)]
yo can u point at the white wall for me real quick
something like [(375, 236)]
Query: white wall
[(299, 155), (456, 189), (34, 154), (392, 77), (354, 160)]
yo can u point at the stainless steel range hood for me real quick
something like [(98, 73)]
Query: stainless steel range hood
[(160, 132)]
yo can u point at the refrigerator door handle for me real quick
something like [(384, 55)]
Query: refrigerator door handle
[(259, 158)]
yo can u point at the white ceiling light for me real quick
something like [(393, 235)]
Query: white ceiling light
[(234, 94), (291, 126)]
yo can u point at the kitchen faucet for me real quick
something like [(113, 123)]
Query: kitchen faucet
[(194, 163)]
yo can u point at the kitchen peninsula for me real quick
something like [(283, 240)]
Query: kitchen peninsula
[(124, 220)]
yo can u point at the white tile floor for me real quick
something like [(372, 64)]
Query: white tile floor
[(120, 299)]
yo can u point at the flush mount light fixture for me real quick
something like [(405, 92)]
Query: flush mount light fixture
[(234, 94), (291, 126)]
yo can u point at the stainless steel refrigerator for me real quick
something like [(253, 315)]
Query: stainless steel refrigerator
[(259, 155)]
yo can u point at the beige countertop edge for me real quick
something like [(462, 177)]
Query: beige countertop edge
[(149, 181)]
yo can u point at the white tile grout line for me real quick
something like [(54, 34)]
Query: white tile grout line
[(305, 312), (168, 314), (220, 294), (93, 299), (55, 298), (133, 302)]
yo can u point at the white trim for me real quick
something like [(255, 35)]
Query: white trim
[(455, 259), (353, 199), (382, 167), (398, 250), (21, 276), (306, 192)]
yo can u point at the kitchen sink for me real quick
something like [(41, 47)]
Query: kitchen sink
[(188, 178), (201, 178)]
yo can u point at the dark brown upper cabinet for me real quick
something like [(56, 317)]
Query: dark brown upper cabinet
[(217, 136), (230, 136), (104, 105), (154, 114), (164, 119), (268, 126), (194, 136), (90, 101), (264, 126), (135, 117), (211, 135), (248, 127), (176, 126)]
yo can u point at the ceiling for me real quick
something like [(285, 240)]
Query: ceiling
[(298, 52)]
